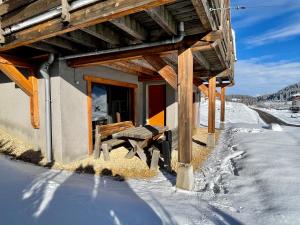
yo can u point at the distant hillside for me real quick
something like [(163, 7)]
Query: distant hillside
[(246, 99), (284, 94)]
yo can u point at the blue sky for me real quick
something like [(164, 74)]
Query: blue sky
[(268, 45)]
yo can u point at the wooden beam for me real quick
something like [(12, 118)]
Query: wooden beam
[(31, 10), (82, 38), (204, 15), (124, 67), (138, 68), (163, 69), (16, 76), (9, 6), (192, 41), (18, 62), (62, 43), (223, 92), (44, 47), (85, 17), (109, 82), (201, 60), (164, 19), (185, 105), (34, 102), (211, 105), (104, 33), (131, 26), (204, 89)]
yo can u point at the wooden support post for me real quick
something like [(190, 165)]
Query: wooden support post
[(196, 101), (34, 102), (89, 112), (97, 145), (211, 111), (185, 179), (222, 115)]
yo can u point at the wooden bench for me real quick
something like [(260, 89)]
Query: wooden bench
[(104, 132)]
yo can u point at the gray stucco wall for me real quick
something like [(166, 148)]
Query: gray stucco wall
[(69, 109), (73, 104), (68, 106)]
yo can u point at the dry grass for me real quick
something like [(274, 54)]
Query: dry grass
[(118, 166), (200, 151)]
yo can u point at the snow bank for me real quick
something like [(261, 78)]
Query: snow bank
[(234, 113)]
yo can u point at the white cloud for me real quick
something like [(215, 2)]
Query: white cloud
[(256, 77), (276, 34)]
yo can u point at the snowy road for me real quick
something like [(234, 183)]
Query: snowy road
[(252, 177), (269, 118)]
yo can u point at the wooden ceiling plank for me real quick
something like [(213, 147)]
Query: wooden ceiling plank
[(131, 26), (201, 60), (202, 10), (44, 47), (164, 19), (85, 17), (62, 43), (81, 38), (9, 6), (104, 33), (31, 10)]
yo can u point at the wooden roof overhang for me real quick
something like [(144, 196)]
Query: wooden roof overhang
[(110, 24)]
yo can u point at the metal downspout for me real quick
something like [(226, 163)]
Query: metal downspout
[(44, 71)]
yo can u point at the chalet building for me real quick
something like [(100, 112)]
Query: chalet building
[(69, 65)]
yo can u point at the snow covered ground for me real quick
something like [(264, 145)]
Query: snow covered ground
[(252, 177), (285, 115), (235, 113)]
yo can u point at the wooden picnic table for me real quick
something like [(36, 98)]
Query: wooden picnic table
[(139, 138), (142, 133)]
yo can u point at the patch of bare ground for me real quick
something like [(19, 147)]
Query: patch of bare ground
[(200, 151), (118, 166)]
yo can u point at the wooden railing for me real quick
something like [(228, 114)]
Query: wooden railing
[(222, 21)]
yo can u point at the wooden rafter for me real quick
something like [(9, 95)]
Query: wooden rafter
[(16, 61), (82, 38), (9, 6), (62, 43), (201, 60), (44, 47), (131, 26), (202, 10), (85, 17), (164, 19), (37, 7), (132, 68), (195, 42), (29, 86), (104, 33)]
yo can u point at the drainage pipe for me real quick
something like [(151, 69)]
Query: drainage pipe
[(46, 16), (173, 40), (44, 71)]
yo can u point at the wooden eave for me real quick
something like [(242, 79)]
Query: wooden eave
[(125, 23)]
